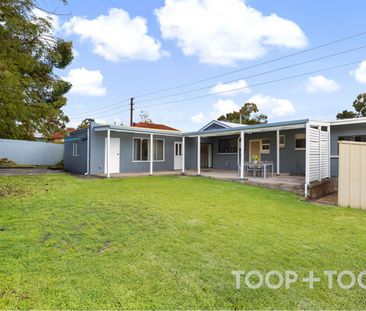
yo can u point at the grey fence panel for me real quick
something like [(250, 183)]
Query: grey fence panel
[(31, 152)]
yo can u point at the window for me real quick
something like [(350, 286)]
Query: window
[(158, 150), (300, 141), (178, 149), (141, 150), (282, 141), (265, 146), (75, 149), (228, 146)]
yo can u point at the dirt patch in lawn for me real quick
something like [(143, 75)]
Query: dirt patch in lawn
[(11, 190)]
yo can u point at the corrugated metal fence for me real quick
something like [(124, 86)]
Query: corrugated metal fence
[(31, 152), (352, 174)]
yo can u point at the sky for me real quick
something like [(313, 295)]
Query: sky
[(127, 49)]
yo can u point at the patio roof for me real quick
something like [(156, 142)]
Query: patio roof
[(251, 128), (138, 130)]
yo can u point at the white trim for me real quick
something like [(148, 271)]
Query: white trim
[(213, 122), (152, 153), (307, 158), (88, 150), (177, 164), (136, 130), (148, 149), (183, 154), (329, 146), (198, 155), (278, 146), (108, 151), (266, 151), (348, 121), (320, 153), (242, 146), (233, 131)]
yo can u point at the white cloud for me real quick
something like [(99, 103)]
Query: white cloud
[(224, 106), (360, 72), (224, 32), (273, 107), (52, 19), (228, 89), (116, 36), (75, 53), (198, 118), (320, 83), (86, 82)]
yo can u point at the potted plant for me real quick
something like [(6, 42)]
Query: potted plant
[(255, 159)]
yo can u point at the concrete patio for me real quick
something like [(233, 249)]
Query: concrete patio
[(284, 182)]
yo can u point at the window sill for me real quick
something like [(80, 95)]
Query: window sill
[(227, 153), (147, 161), (300, 149)]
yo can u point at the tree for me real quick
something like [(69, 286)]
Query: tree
[(145, 117), (249, 115), (31, 94), (359, 104), (85, 123)]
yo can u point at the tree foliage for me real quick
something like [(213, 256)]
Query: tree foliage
[(31, 94), (249, 113), (85, 123), (359, 105)]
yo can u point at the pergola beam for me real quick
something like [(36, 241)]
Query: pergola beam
[(151, 153), (278, 151), (183, 154), (198, 155)]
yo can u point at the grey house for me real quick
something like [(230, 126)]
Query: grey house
[(301, 147)]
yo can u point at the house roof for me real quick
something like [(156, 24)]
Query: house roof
[(155, 126), (250, 128), (61, 134), (348, 121), (223, 124)]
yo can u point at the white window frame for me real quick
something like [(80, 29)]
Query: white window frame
[(75, 148), (299, 136), (148, 149), (284, 141), (265, 151)]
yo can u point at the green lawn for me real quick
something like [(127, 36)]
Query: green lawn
[(168, 243)]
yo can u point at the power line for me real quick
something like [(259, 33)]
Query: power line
[(111, 107), (255, 85), (255, 65), (257, 74), (102, 110)]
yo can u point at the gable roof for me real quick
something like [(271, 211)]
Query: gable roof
[(155, 126), (222, 124)]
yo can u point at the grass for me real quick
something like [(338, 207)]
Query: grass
[(168, 243)]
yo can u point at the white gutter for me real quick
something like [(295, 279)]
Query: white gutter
[(348, 121)]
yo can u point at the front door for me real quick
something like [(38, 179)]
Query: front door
[(206, 155), (255, 149), (178, 158), (114, 150)]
